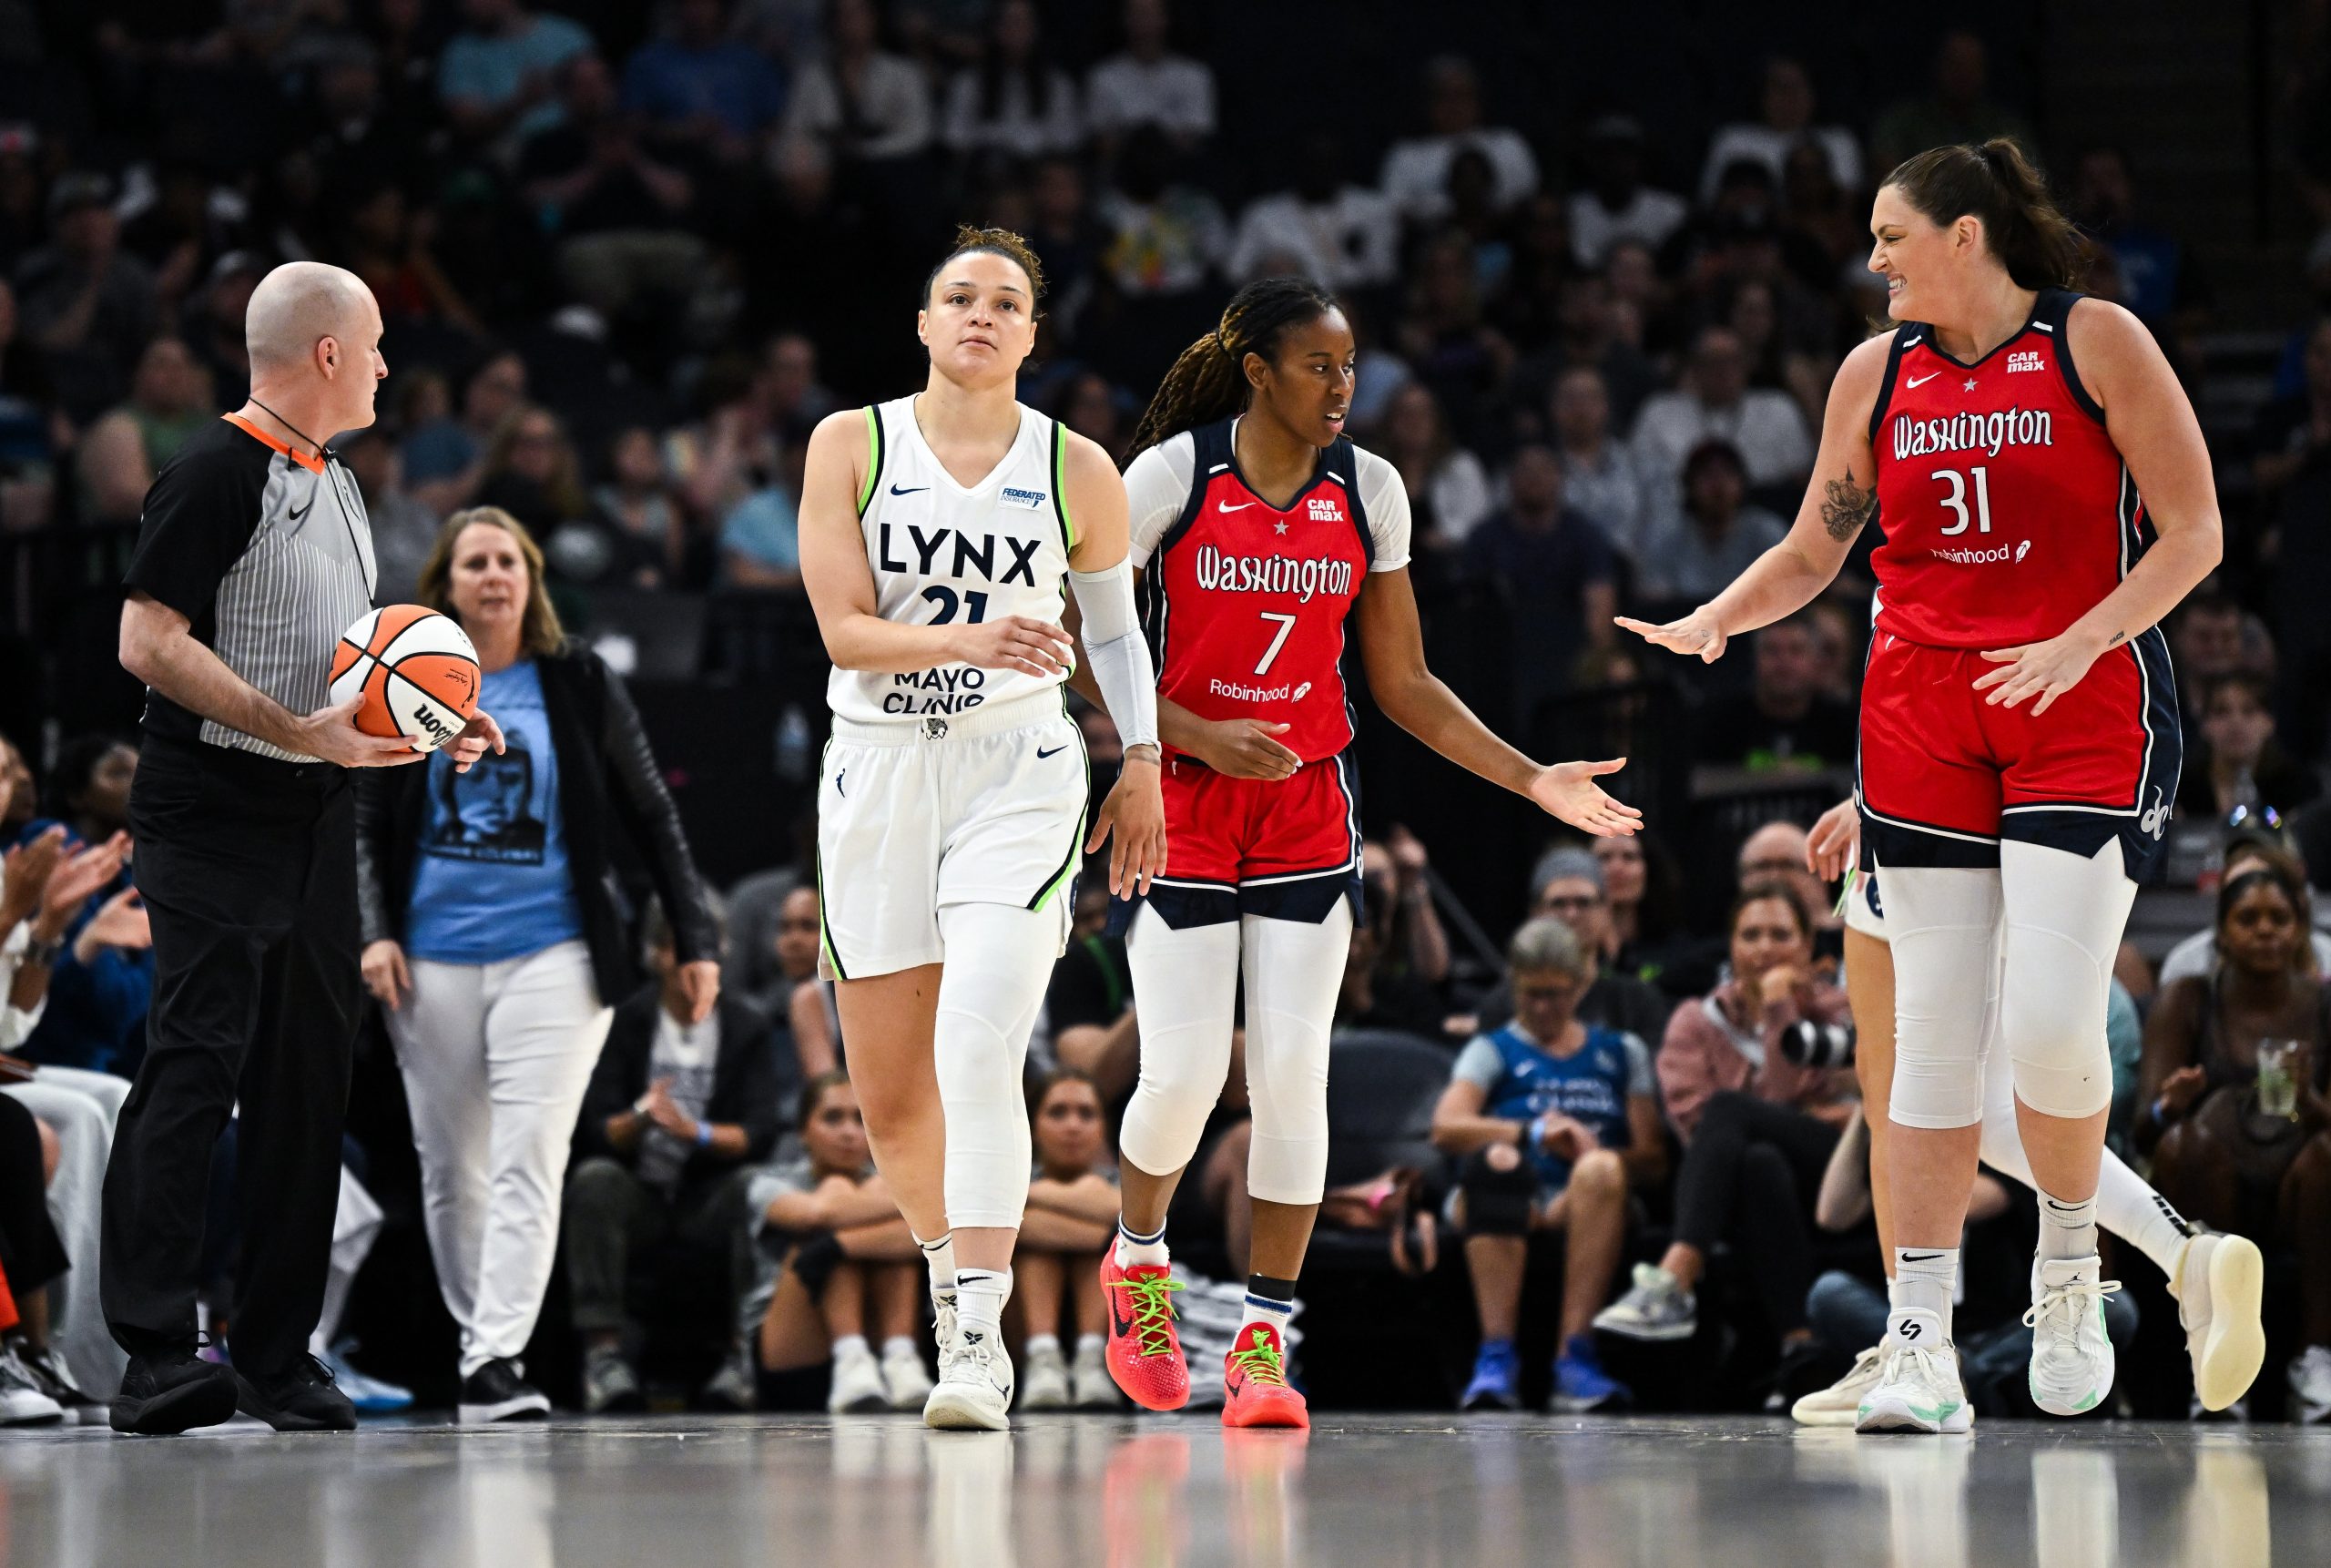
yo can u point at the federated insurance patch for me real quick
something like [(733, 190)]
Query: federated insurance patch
[(1030, 499)]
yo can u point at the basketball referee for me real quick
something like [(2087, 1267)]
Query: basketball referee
[(253, 555)]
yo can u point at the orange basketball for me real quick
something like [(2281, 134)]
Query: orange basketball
[(414, 670)]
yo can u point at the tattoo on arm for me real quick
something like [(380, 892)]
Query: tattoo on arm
[(1845, 506), (2116, 639)]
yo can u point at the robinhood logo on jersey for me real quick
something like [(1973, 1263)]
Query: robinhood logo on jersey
[(1218, 573), (1985, 433)]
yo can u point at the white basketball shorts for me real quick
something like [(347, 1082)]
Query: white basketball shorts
[(914, 815)]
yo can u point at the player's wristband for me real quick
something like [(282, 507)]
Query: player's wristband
[(704, 1134)]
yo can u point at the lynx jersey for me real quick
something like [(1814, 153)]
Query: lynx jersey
[(2008, 513), (943, 552), (1247, 600)]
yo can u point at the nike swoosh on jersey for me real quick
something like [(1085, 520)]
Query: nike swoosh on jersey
[(1041, 754), (1225, 505), (910, 490), (303, 511), (1921, 380)]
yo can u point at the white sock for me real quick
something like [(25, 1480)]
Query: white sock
[(2146, 1220), (1042, 1344), (2067, 1229), (939, 1256), (848, 1347), (1273, 1304), (1922, 1282), (898, 1345), (979, 1296), (1134, 1249), (1092, 1346)]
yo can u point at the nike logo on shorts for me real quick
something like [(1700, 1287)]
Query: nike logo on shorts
[(1225, 505), (1041, 754), (1921, 380), (910, 490)]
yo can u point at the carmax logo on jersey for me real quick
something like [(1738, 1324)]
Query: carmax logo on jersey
[(1996, 556)]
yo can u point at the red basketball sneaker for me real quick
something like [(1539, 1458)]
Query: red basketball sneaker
[(1145, 1352), (1255, 1388)]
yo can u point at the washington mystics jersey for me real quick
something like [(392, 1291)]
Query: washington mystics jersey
[(941, 553), (2007, 511), (1247, 600)]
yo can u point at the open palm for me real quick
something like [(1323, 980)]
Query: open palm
[(1568, 790)]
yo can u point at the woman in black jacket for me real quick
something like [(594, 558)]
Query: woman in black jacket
[(495, 933)]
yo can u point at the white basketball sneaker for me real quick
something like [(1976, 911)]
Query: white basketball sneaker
[(942, 1326), (1045, 1387), (857, 1383), (974, 1389), (1839, 1404), (1917, 1388), (2072, 1355), (2219, 1281), (906, 1383)]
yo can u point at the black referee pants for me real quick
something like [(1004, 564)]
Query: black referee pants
[(249, 870)]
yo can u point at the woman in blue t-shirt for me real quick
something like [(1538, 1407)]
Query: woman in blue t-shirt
[(1554, 1122), (495, 938)]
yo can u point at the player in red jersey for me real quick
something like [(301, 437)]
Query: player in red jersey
[(1267, 538), (2018, 732)]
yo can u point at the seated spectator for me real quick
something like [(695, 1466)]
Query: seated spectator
[(1553, 569), (1758, 1129), (1778, 852), (1449, 490), (1691, 552), (675, 1115), (1146, 84), (850, 1265), (617, 212), (1091, 407), (1056, 1267), (444, 457), (1326, 228), (1165, 236), (1788, 725), (866, 105), (1714, 402), (1399, 881), (103, 976), (495, 76), (1785, 119), (2160, 281), (170, 399), (641, 528), (31, 1255), (2241, 1141), (699, 90), (87, 304), (760, 537), (807, 1014), (2239, 767), (1016, 103), (1955, 111), (1555, 1121), (1416, 170), (1599, 477), (1089, 1005), (531, 471), (404, 530), (1643, 887), (1615, 204), (1567, 883)]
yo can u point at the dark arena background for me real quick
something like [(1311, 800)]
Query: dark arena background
[(1602, 262)]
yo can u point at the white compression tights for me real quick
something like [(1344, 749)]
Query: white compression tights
[(2050, 923), (999, 962), (1185, 984)]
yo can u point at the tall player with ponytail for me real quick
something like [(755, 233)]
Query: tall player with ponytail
[(941, 535), (1267, 539), (2046, 499)]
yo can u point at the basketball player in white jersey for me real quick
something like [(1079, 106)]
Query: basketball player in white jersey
[(941, 535)]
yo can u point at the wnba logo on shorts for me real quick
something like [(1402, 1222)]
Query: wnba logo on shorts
[(2156, 819)]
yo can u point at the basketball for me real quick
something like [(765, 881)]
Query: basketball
[(415, 671)]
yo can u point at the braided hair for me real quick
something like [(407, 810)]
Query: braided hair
[(1209, 381)]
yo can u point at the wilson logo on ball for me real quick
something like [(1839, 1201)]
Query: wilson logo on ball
[(414, 672)]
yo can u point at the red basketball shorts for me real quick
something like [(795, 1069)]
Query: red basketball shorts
[(1945, 775), (1287, 849)]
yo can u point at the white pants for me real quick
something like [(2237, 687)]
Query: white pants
[(495, 1059), (355, 1225), (82, 1106)]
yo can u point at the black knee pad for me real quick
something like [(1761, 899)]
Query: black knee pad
[(1497, 1203), (815, 1262)]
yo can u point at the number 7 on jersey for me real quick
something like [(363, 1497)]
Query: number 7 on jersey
[(1279, 640)]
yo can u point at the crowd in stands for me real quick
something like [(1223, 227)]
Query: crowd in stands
[(628, 256)]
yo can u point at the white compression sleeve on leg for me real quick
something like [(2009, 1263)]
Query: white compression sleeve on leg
[(1185, 991), (1112, 641), (2126, 1204), (999, 962), (2064, 916), (1294, 969), (1943, 922)]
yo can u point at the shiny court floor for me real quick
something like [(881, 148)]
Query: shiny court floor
[(681, 1492)]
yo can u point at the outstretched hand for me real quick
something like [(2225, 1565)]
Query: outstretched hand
[(1568, 790), (1696, 634)]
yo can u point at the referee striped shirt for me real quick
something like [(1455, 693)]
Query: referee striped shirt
[(267, 554)]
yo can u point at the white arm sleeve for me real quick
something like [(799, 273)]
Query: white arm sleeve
[(1386, 501), (1157, 487), (1120, 659)]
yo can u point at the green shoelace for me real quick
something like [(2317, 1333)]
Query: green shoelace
[(1153, 1311), (1261, 1361)]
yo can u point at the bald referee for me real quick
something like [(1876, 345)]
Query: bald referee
[(253, 555)]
